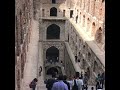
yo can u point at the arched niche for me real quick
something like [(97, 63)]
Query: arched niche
[(53, 11), (52, 54), (53, 32)]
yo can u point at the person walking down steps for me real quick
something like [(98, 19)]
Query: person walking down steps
[(33, 84)]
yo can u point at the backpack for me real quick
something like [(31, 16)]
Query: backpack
[(75, 87), (31, 85), (50, 83)]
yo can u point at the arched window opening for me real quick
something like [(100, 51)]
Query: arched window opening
[(52, 70), (88, 24), (53, 1), (43, 12), (76, 58), (93, 29), (71, 13), (76, 18), (63, 13), (83, 46), (83, 20), (80, 18), (98, 35), (89, 55), (83, 65), (95, 66), (79, 57), (88, 72), (68, 37), (53, 32), (52, 54), (103, 1), (100, 12), (53, 11)]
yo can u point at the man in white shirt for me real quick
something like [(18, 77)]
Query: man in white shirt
[(79, 82)]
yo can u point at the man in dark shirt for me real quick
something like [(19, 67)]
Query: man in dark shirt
[(65, 81), (50, 82), (33, 84)]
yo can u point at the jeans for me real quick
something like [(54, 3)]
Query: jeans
[(33, 88)]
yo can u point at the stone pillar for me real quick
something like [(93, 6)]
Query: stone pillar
[(41, 31), (44, 56), (61, 55), (92, 6)]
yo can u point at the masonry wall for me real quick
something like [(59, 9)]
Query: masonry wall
[(46, 7), (86, 57), (23, 19), (69, 68), (91, 17), (91, 22)]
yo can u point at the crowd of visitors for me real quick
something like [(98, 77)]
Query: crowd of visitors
[(76, 82)]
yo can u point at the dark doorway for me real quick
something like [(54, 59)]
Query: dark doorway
[(76, 18), (52, 70), (53, 11), (98, 36), (43, 12), (93, 29), (53, 32), (52, 53), (53, 1), (71, 13), (63, 13), (95, 66), (68, 37), (88, 72)]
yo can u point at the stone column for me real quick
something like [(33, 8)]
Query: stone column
[(61, 55), (40, 31), (44, 55)]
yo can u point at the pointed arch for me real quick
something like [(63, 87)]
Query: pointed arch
[(52, 53), (53, 1), (93, 29), (98, 36), (53, 11), (53, 32), (88, 24), (52, 70), (83, 20)]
